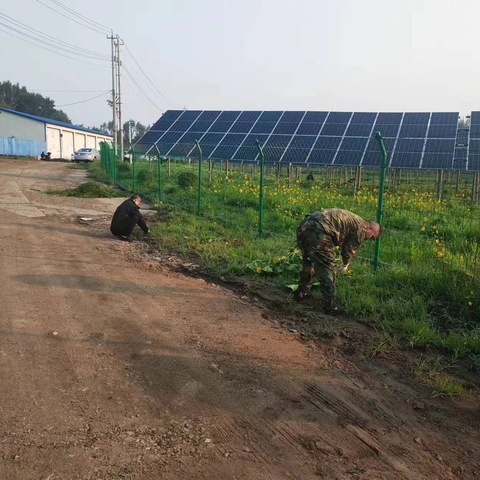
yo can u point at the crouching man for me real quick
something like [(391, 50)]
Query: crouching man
[(126, 216), (317, 236)]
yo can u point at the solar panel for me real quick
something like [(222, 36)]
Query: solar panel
[(412, 139), (227, 147), (324, 150), (351, 151), (361, 125), (461, 149), (248, 151), (407, 153), (473, 158), (414, 125), (336, 123), (299, 148), (372, 157)]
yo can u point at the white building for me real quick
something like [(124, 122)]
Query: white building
[(22, 134)]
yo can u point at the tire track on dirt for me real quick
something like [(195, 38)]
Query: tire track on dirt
[(359, 424)]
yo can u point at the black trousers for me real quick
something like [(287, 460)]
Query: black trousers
[(125, 227)]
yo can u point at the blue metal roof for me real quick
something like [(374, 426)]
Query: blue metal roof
[(55, 122)]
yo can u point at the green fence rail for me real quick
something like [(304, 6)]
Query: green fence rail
[(428, 214)]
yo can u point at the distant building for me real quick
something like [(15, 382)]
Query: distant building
[(28, 135)]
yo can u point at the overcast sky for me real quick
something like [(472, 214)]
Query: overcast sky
[(347, 55)]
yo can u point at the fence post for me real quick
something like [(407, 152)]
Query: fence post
[(260, 206), (159, 174), (133, 169), (381, 190), (357, 181), (475, 188), (200, 161), (112, 163), (439, 184)]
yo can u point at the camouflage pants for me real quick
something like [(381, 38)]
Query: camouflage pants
[(318, 259)]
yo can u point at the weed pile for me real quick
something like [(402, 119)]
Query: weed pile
[(90, 190)]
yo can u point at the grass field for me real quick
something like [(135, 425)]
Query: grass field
[(427, 290)]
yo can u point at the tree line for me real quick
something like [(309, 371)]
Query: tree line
[(18, 98)]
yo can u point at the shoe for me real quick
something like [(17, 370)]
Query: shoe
[(301, 294), (331, 311), (125, 239)]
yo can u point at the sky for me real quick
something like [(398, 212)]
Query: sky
[(340, 55)]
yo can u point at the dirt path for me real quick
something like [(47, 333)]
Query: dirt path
[(112, 369)]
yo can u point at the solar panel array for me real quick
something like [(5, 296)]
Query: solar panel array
[(423, 140), (473, 155)]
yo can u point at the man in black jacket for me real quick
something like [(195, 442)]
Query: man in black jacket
[(126, 216)]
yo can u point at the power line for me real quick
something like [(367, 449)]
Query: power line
[(96, 26), (72, 19), (67, 91), (44, 48), (83, 101), (135, 85), (92, 22), (50, 41), (151, 83)]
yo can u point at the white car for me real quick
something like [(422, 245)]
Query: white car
[(86, 155)]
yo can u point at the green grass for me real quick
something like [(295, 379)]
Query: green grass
[(433, 373), (427, 292), (89, 190)]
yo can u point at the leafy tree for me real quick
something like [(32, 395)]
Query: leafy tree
[(107, 127), (138, 130), (20, 99)]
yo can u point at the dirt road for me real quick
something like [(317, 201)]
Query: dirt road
[(114, 369)]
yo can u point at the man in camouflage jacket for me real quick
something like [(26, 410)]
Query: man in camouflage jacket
[(317, 236)]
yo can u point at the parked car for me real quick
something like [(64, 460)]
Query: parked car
[(86, 155)]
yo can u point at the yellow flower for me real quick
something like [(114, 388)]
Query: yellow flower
[(422, 229), (259, 269), (469, 304)]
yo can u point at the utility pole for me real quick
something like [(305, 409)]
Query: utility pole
[(114, 93), (119, 91)]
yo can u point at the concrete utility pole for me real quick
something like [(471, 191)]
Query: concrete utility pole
[(114, 92)]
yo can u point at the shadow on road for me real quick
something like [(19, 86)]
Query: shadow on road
[(70, 231), (81, 282)]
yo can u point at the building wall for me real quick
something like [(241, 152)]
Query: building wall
[(25, 136), (54, 142), (12, 125), (79, 140), (68, 147), (62, 142), (91, 141), (12, 147)]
